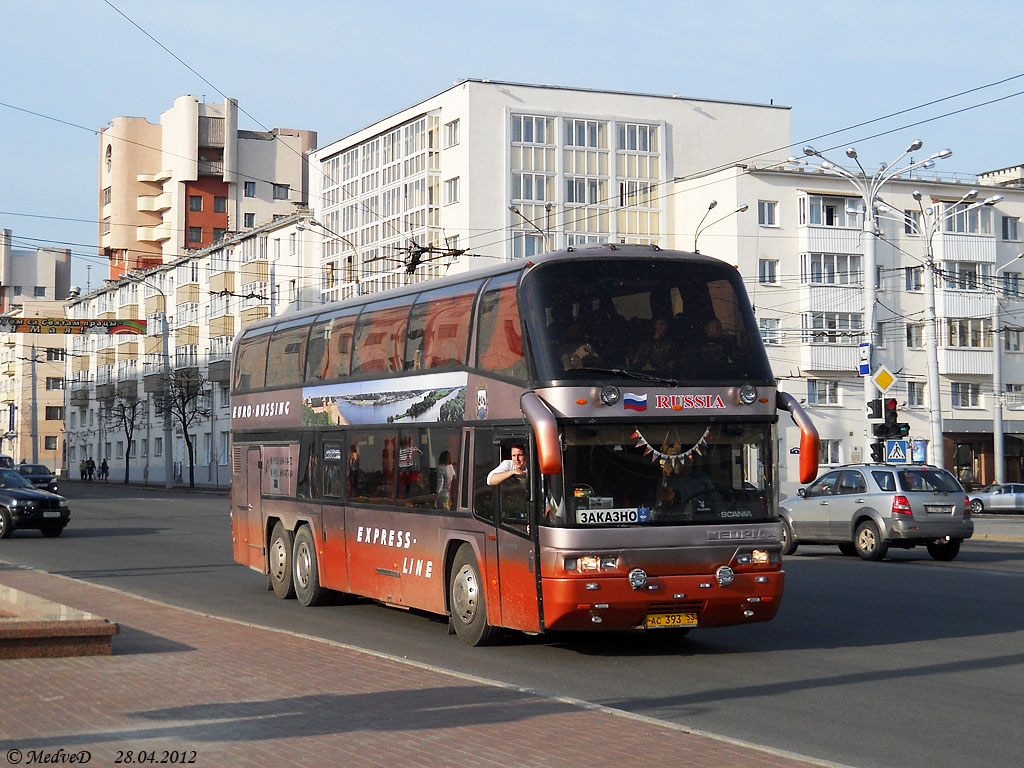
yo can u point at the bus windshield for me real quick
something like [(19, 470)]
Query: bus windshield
[(672, 320), (658, 474)]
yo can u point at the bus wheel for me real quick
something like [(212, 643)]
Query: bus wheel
[(305, 572), (466, 600), (280, 557)]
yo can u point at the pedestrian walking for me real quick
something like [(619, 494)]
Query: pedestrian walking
[(82, 469), (90, 468), (104, 470)]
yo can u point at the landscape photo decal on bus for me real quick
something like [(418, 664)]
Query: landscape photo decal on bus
[(431, 397)]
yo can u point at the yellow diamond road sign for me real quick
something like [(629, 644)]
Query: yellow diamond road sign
[(883, 379)]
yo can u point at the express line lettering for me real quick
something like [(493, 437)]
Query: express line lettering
[(262, 410), (386, 537)]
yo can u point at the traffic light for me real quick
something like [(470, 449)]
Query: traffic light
[(891, 427), (889, 409), (875, 409), (878, 453)]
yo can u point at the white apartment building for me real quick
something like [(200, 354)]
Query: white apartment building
[(33, 283), (208, 296), (191, 180)]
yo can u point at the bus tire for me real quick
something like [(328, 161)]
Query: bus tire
[(305, 572), (466, 600), (279, 562)]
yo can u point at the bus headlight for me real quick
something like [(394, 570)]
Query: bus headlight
[(609, 394), (748, 394), (638, 578)]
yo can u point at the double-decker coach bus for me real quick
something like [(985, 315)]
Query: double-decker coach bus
[(582, 440)]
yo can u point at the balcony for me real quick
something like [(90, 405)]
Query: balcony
[(965, 361), (211, 168), (821, 239), (7, 369), (956, 246), (155, 234), (957, 303), (158, 177), (843, 358), (128, 390), (818, 297), (153, 203), (6, 397)]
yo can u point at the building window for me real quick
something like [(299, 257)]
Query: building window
[(969, 332), (55, 413), (833, 327), (1014, 396), (54, 355), (1010, 228), (830, 452), (915, 393), (915, 335), (39, 292), (1011, 284), (766, 213), (451, 134), (195, 203), (586, 133), (911, 222), (966, 395), (769, 327), (967, 275), (957, 218), (525, 245), (50, 443), (250, 189), (218, 234), (637, 137), (1012, 339), (451, 191), (834, 268), (822, 211), (195, 234), (281, 191), (17, 290), (530, 129), (249, 220), (158, 446), (768, 271), (220, 205), (530, 186), (914, 278), (106, 195), (823, 392), (54, 382)]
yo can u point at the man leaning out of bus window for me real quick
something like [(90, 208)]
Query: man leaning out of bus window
[(513, 467)]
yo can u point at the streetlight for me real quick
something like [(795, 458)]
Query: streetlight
[(165, 333), (868, 188), (355, 253), (998, 449), (701, 229), (547, 207), (927, 226)]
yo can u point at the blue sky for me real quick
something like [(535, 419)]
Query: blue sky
[(334, 67)]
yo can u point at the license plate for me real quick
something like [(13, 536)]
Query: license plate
[(675, 619), (939, 510), (51, 514)]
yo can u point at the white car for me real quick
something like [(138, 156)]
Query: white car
[(1008, 497)]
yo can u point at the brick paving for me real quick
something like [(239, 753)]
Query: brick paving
[(233, 694)]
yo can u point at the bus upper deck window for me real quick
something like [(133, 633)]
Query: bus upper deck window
[(251, 362)]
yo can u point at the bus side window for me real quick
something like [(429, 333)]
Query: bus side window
[(304, 481), (499, 332), (332, 469), (251, 362), (486, 459)]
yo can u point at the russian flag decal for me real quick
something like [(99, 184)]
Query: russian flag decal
[(633, 402)]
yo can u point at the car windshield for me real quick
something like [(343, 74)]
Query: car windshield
[(34, 469), (686, 474), (11, 479), (928, 480), (661, 319)]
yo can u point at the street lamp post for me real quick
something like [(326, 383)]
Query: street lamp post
[(868, 188), (927, 226), (998, 444), (355, 252), (517, 212), (701, 229)]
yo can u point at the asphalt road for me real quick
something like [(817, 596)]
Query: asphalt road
[(904, 663)]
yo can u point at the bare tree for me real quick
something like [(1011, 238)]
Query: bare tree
[(187, 405), (126, 413)]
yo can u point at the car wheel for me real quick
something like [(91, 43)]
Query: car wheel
[(466, 600), (789, 542), (977, 507), (280, 562), (868, 542), (846, 548), (53, 531), (6, 524), (944, 550), (306, 573)]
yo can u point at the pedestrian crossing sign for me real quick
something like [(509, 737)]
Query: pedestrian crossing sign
[(896, 451)]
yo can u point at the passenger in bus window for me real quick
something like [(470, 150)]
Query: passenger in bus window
[(511, 467), (408, 466), (658, 352), (445, 480)]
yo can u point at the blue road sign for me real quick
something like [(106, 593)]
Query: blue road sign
[(896, 451)]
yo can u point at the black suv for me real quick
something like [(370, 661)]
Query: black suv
[(39, 475), (22, 505)]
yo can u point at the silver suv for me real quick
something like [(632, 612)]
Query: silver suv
[(867, 508)]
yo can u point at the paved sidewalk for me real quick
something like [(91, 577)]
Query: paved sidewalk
[(232, 694)]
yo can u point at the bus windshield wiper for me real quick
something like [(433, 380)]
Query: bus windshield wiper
[(631, 375)]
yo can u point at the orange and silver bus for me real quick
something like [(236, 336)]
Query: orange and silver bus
[(584, 440)]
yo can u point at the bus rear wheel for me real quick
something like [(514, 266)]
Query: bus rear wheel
[(279, 556), (466, 600), (306, 573)]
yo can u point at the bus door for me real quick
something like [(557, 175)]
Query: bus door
[(250, 510), (509, 505)]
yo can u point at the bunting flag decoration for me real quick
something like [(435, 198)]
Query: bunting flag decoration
[(672, 459)]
